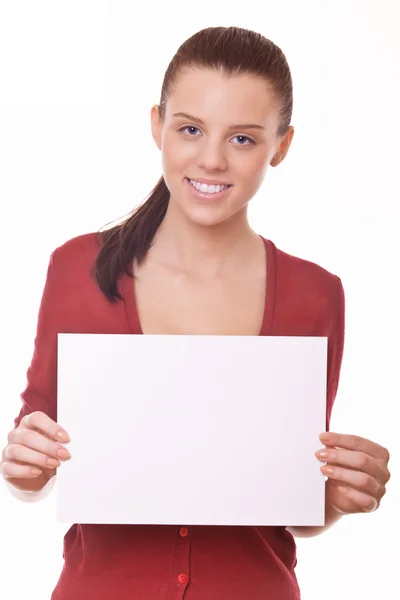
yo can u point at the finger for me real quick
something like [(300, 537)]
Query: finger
[(11, 470), (354, 460), (23, 454), (366, 502), (362, 481), (40, 443), (355, 442), (42, 422)]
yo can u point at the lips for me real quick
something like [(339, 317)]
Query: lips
[(208, 197)]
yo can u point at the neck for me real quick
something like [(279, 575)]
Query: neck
[(208, 250)]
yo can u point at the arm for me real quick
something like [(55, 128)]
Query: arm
[(335, 355), (29, 442), (40, 393)]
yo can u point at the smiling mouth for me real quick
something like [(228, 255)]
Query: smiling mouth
[(208, 188)]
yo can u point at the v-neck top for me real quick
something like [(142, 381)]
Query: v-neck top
[(122, 562), (127, 285)]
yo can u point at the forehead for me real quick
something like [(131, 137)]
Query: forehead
[(211, 96)]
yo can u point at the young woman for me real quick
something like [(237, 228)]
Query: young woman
[(224, 117)]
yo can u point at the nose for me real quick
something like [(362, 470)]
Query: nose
[(211, 156)]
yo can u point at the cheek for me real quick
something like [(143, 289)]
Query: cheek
[(174, 164), (253, 169), (174, 155)]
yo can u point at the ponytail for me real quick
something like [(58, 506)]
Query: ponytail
[(129, 240)]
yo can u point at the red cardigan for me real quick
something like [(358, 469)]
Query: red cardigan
[(129, 562)]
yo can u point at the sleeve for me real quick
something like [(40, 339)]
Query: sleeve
[(335, 350), (40, 393)]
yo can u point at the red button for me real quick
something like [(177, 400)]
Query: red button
[(184, 532), (182, 578)]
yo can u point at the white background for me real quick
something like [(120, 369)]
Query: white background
[(77, 81)]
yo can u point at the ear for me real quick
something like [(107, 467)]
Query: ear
[(156, 125), (283, 148)]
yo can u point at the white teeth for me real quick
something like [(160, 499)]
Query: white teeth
[(207, 189)]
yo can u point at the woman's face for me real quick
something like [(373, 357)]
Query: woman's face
[(228, 135)]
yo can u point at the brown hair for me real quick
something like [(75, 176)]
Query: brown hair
[(233, 51)]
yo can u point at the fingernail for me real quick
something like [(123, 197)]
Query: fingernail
[(63, 436), (325, 437), (322, 454), (36, 471), (327, 469), (52, 462), (64, 454)]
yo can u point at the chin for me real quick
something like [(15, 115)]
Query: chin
[(204, 214), (208, 217)]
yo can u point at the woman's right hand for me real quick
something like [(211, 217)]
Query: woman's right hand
[(34, 452)]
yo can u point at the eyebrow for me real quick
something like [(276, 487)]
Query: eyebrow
[(239, 126)]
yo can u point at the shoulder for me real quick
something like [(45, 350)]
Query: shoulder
[(72, 262), (77, 251), (306, 281), (295, 266), (84, 245)]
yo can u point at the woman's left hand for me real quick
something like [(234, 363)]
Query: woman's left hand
[(357, 470)]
